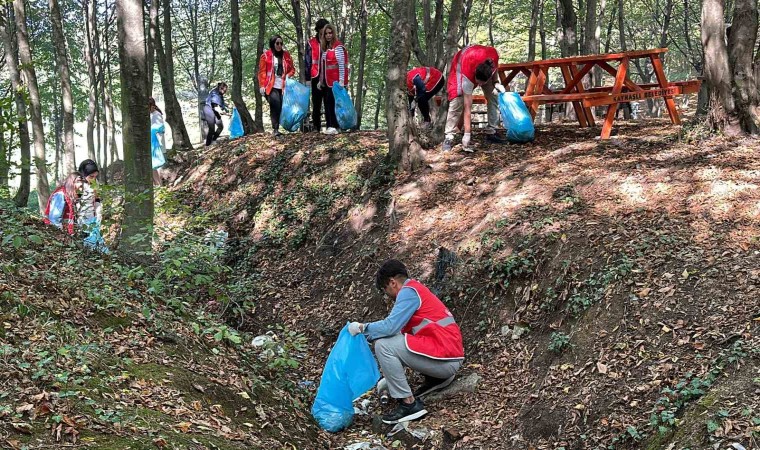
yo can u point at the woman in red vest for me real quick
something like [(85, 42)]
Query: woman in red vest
[(311, 66), (61, 209), (419, 333), (333, 68), (473, 66), (275, 66), (422, 83)]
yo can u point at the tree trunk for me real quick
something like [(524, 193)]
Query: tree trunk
[(741, 43), (568, 34), (258, 121), (591, 37), (237, 70), (164, 52), (138, 179), (62, 61), (621, 26), (5, 151), (89, 56), (359, 98), (450, 47), (535, 6), (402, 147), (542, 30), (722, 114), (151, 43), (30, 75), (58, 130), (379, 103), (11, 62), (608, 38), (296, 4)]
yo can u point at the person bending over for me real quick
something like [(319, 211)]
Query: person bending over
[(213, 111), (422, 83)]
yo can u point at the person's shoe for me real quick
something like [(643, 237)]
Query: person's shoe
[(448, 144), (496, 138), (469, 149), (405, 412), (276, 133), (331, 130), (432, 384)]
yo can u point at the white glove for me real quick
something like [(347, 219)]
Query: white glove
[(262, 91), (355, 328), (500, 88), (466, 140)]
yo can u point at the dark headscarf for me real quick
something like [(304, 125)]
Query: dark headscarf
[(278, 53)]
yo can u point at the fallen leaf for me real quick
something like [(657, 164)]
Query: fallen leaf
[(24, 408), (22, 427), (184, 426), (602, 368)]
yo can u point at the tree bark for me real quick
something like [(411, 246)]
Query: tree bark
[(568, 34), (379, 103), (741, 43), (11, 62), (62, 61), (138, 180), (237, 70), (722, 114), (449, 48), (300, 39), (258, 121), (164, 52), (89, 56), (360, 90), (151, 43), (621, 26), (30, 75), (534, 15)]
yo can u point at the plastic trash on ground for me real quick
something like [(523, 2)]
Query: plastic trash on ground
[(344, 107), (516, 117), (295, 104), (350, 371), (156, 146), (236, 125)]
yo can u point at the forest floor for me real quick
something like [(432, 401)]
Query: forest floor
[(607, 292)]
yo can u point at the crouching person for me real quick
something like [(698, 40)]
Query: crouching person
[(419, 333)]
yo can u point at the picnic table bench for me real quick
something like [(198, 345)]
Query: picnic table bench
[(573, 69)]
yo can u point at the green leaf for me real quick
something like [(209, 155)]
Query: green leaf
[(18, 242), (35, 239)]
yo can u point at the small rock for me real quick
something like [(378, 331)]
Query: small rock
[(518, 331), (506, 331), (358, 446), (466, 384)]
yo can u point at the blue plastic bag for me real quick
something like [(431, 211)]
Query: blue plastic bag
[(516, 117), (350, 371), (344, 107), (156, 146), (295, 104), (236, 125), (94, 239)]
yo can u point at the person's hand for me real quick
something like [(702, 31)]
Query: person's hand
[(355, 328), (412, 106), (499, 88), (262, 91), (466, 140)]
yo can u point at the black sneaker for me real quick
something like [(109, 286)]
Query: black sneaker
[(496, 138), (405, 413), (432, 384), (447, 145)]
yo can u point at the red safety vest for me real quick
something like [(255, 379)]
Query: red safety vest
[(432, 331), (316, 53), (464, 63), (332, 72), (266, 70), (68, 218), (430, 75)]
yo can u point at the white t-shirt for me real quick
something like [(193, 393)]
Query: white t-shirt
[(277, 79)]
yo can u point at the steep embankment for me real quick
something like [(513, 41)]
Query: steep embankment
[(607, 290), (92, 357)]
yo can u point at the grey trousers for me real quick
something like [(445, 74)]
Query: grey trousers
[(456, 107), (393, 356)]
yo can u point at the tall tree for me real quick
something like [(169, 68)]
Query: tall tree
[(741, 43), (151, 42), (259, 111), (568, 35), (89, 56), (138, 180), (108, 88), (11, 62), (359, 98), (237, 69), (621, 26), (164, 52), (30, 75), (300, 38), (717, 72), (62, 61), (535, 5)]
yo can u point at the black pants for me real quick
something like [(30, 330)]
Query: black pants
[(423, 99), (275, 107), (318, 96), (214, 121)]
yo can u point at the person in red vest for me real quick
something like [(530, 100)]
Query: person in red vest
[(61, 209), (312, 56), (422, 83), (473, 66), (274, 66), (419, 333), (333, 64)]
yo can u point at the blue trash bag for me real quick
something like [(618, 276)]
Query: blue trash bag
[(156, 146), (516, 117), (295, 104), (344, 107), (350, 371), (94, 239), (236, 125)]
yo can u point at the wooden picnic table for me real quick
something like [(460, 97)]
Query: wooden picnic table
[(573, 70)]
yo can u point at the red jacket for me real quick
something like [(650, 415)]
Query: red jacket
[(464, 63), (332, 68), (266, 70), (430, 75), (316, 53), (432, 331), (69, 216)]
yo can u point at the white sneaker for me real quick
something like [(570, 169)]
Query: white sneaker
[(331, 130)]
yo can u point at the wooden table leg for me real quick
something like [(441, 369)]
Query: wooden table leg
[(538, 89), (569, 81), (669, 102), (616, 89), (532, 80), (580, 89)]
